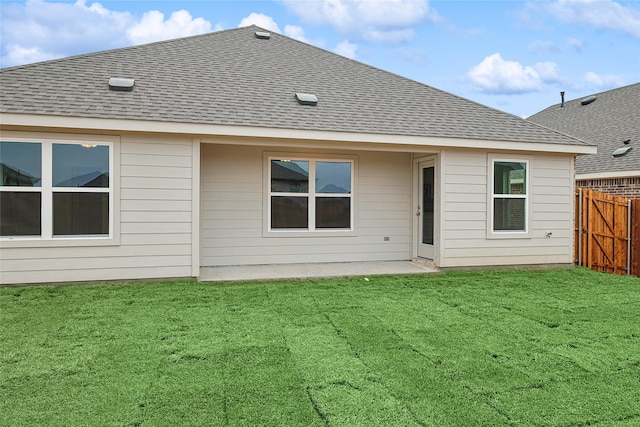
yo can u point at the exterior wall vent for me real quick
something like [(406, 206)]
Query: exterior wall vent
[(263, 35), (306, 98), (588, 100), (619, 152), (120, 84)]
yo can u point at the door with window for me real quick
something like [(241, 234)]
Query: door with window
[(426, 212)]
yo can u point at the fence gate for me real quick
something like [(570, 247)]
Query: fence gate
[(603, 232)]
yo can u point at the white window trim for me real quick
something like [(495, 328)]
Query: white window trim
[(47, 239), (311, 231), (508, 234)]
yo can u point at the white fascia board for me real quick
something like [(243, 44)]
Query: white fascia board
[(121, 125), (605, 175)]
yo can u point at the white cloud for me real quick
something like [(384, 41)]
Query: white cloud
[(603, 14), (547, 71), (295, 32), (576, 44), (94, 7), (268, 23), (153, 27), (603, 82), (38, 30), (345, 48), (376, 20), (391, 13), (498, 76), (386, 35), (261, 20), (20, 55)]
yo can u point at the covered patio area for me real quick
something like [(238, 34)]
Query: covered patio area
[(312, 270)]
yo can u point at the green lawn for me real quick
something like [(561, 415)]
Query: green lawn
[(513, 348)]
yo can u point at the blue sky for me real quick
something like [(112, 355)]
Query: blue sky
[(515, 56)]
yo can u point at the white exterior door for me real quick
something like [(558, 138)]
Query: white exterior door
[(426, 208)]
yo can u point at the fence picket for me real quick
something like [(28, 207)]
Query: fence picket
[(635, 237), (604, 224)]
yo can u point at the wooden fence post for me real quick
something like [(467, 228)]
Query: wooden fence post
[(635, 237), (589, 229)]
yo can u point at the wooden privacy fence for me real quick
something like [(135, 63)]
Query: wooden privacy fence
[(607, 232)]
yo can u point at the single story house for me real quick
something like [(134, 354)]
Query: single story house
[(242, 147), (611, 121)]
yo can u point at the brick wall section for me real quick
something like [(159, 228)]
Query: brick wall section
[(621, 187)]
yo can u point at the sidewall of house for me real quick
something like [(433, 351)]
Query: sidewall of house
[(233, 209), (153, 223), (466, 241)]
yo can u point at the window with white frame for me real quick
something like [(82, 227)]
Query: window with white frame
[(54, 190), (509, 197), (311, 195)]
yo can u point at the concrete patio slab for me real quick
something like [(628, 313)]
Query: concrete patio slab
[(306, 271)]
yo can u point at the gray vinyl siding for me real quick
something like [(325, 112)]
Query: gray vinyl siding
[(155, 223), (466, 210), (232, 215)]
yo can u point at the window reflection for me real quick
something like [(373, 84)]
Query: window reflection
[(289, 176), (333, 177), (310, 195), (509, 178), (510, 196), (80, 166), (21, 164)]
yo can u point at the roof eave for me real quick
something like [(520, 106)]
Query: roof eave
[(147, 126), (609, 174)]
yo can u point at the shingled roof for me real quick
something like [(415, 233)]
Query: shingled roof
[(607, 121), (234, 78)]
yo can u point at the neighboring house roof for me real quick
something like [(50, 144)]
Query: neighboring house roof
[(607, 121), (288, 172), (12, 176), (233, 78), (91, 179)]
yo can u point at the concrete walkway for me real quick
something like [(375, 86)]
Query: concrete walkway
[(305, 271)]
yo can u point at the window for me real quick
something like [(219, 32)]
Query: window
[(21, 189), (55, 190), (509, 204), (310, 195)]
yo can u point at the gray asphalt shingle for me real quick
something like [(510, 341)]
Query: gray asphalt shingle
[(233, 78), (606, 122)]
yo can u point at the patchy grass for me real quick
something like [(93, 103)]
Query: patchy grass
[(513, 348)]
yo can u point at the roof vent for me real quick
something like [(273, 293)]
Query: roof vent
[(619, 152), (117, 83), (588, 100), (306, 98), (263, 35)]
